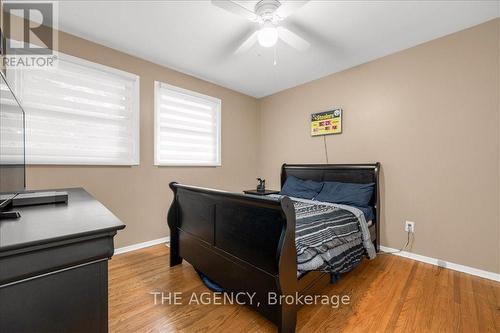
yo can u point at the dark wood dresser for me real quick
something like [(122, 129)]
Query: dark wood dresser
[(54, 266)]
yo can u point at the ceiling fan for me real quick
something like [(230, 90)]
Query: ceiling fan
[(269, 14)]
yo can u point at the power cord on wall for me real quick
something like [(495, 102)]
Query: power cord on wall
[(404, 247), (326, 149)]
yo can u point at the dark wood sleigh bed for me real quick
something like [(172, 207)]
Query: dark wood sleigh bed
[(246, 243)]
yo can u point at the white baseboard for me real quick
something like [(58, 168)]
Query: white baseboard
[(138, 246), (409, 255), (445, 264)]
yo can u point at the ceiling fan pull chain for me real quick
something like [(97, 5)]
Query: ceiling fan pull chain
[(275, 62)]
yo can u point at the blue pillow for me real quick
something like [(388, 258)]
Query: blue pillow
[(306, 189), (346, 193), (367, 212)]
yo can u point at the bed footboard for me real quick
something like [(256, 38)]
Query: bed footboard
[(243, 243)]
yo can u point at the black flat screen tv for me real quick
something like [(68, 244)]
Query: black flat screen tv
[(12, 145)]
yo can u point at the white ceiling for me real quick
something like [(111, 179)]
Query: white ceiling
[(198, 38)]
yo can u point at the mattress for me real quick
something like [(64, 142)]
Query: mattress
[(330, 237)]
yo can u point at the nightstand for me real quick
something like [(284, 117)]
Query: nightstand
[(266, 192)]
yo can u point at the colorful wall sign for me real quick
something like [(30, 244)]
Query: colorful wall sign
[(325, 123)]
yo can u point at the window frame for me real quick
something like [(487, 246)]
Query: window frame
[(218, 111), (135, 109)]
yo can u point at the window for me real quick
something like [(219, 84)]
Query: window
[(187, 127), (80, 113)]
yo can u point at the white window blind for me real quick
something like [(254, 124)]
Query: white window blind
[(187, 127), (80, 113)]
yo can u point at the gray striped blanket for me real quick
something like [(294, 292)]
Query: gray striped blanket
[(329, 237)]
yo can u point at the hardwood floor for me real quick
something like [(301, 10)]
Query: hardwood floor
[(388, 294)]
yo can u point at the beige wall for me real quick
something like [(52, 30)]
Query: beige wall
[(139, 195), (498, 106), (430, 115)]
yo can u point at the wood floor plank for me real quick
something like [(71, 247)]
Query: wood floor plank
[(387, 294)]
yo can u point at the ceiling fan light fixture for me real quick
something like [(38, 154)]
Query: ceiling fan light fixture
[(268, 35)]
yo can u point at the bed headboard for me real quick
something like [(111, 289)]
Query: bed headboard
[(345, 173)]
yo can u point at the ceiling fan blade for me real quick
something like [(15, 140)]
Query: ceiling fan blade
[(287, 8), (235, 9), (247, 44), (293, 39)]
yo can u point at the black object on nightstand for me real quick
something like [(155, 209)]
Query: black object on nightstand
[(266, 192)]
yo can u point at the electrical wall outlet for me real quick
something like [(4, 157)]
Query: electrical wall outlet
[(410, 226)]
